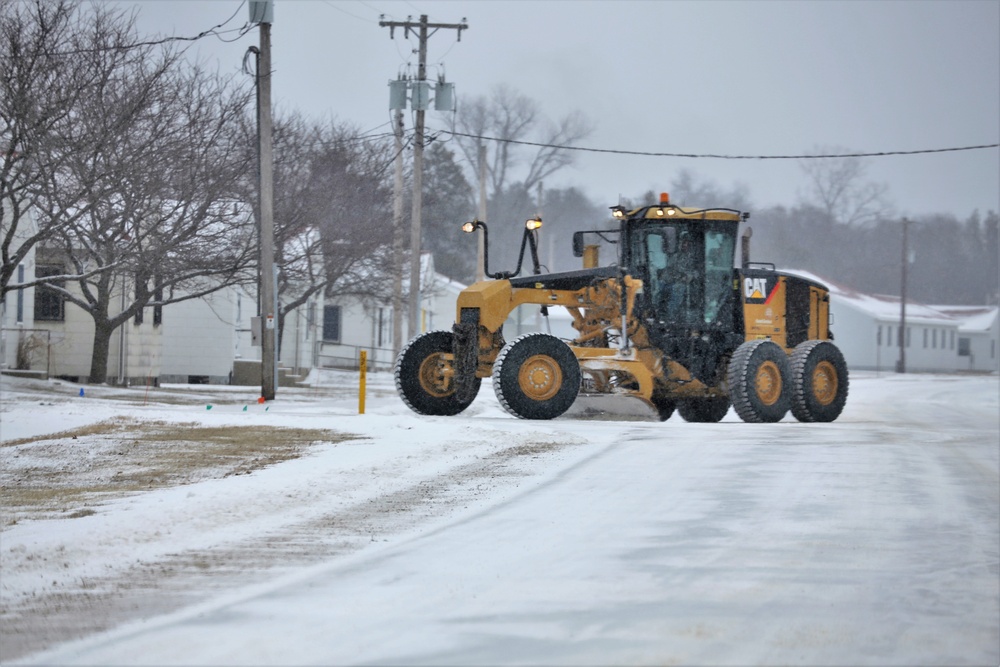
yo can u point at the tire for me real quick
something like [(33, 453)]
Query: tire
[(425, 379), (664, 407), (758, 377), (703, 410), (536, 376), (819, 381)]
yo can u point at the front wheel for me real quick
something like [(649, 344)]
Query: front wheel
[(758, 381), (536, 376), (425, 376), (819, 381)]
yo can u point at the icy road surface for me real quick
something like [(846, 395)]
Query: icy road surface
[(483, 539)]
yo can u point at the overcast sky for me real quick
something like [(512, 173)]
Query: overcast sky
[(739, 78)]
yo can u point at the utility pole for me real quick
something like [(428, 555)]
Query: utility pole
[(901, 363), (268, 295), (397, 239), (421, 29)]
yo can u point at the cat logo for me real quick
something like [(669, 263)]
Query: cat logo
[(757, 289)]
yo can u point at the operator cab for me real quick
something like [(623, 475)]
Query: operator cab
[(687, 272), (685, 259)]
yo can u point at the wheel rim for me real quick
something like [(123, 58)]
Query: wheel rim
[(434, 376), (540, 377), (767, 383), (824, 382)]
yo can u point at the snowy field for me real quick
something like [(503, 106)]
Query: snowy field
[(137, 530)]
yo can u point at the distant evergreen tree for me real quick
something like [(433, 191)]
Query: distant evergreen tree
[(448, 201), (565, 211)]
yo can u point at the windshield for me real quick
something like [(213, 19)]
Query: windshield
[(687, 270)]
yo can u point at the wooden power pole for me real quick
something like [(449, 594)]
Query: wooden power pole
[(422, 29), (397, 239), (268, 296)]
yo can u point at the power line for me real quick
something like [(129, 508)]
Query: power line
[(213, 31), (344, 11), (374, 9), (718, 156)]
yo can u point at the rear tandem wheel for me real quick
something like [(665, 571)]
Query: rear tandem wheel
[(758, 378), (819, 381), (703, 410)]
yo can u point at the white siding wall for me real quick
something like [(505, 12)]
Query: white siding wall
[(143, 345), (298, 341), (72, 345), (362, 327), (12, 329), (930, 348), (984, 348), (855, 333), (359, 330), (199, 337)]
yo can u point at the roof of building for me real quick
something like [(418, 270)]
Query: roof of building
[(883, 307), (972, 318)]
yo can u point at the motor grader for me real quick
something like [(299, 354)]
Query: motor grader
[(674, 322)]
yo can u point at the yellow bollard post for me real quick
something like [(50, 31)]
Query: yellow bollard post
[(361, 389)]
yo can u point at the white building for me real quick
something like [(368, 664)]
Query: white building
[(978, 336), (45, 336), (866, 329), (350, 325), (211, 340)]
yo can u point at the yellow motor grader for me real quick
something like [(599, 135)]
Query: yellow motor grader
[(674, 323)]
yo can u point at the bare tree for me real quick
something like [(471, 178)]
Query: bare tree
[(839, 187), (495, 124), (688, 189), (44, 72), (146, 214), (508, 116), (332, 217)]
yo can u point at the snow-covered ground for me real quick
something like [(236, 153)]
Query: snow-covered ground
[(483, 539)]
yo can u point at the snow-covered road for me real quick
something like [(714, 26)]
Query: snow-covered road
[(482, 539)]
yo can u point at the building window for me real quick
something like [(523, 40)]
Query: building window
[(20, 294), (878, 336), (888, 337), (139, 314), (158, 310), (331, 324), (49, 304), (964, 347)]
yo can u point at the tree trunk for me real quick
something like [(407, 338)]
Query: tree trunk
[(103, 329)]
